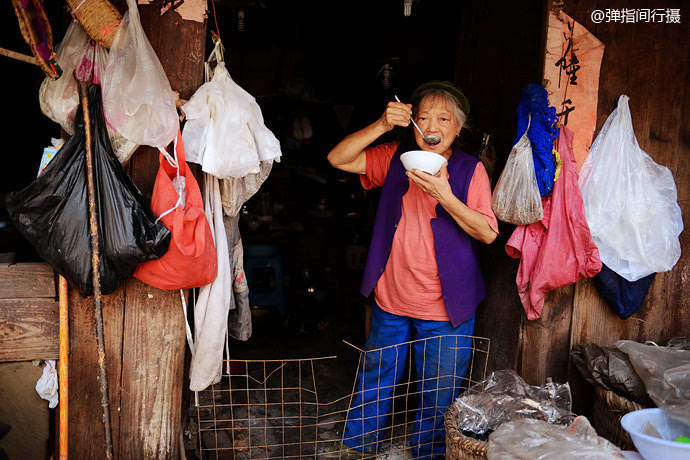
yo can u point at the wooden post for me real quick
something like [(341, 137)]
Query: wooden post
[(64, 368), (144, 326)]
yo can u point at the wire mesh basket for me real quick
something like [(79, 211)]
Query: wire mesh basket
[(275, 408)]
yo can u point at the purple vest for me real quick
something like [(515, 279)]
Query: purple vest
[(457, 256)]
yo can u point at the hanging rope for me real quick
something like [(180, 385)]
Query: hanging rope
[(542, 132)]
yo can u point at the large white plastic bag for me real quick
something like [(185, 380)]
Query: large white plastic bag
[(137, 97), (630, 201), (665, 372), (516, 198), (225, 131), (59, 98)]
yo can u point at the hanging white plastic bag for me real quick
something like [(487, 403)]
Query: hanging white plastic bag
[(59, 98), (137, 97), (630, 201), (225, 131), (95, 61), (516, 198)]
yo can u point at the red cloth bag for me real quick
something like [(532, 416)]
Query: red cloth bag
[(191, 259)]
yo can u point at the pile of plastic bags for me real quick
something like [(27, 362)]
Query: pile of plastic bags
[(504, 396), (648, 374), (184, 240), (52, 212), (137, 98)]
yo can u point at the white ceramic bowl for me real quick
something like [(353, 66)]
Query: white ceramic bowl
[(650, 447), (422, 160)]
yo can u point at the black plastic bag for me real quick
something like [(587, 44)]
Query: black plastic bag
[(610, 368), (52, 213), (624, 297)]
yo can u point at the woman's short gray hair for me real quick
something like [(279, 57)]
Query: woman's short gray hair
[(433, 93)]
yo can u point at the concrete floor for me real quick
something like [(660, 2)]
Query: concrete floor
[(24, 411)]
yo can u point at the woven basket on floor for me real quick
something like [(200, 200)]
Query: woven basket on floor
[(99, 18), (607, 412), (459, 446)]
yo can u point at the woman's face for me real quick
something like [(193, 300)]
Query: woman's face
[(436, 115)]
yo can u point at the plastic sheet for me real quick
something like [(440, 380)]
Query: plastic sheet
[(665, 372), (235, 192), (59, 98), (538, 440), (504, 396), (630, 202), (610, 368), (52, 212), (538, 120)]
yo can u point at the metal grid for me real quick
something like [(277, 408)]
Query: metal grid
[(270, 409)]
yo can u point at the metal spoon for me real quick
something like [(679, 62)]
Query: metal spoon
[(430, 139)]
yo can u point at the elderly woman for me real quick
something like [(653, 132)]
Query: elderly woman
[(423, 268)]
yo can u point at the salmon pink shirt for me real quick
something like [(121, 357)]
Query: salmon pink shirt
[(409, 285)]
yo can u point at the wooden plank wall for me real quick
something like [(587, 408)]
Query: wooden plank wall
[(28, 312), (145, 340), (649, 63)]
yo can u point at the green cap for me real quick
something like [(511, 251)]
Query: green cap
[(445, 86)]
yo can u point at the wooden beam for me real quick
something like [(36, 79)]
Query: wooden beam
[(144, 326), (28, 329), (18, 56)]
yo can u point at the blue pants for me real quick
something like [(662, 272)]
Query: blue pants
[(441, 360)]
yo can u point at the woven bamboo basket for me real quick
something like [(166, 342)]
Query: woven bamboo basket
[(608, 410), (459, 446), (27, 17), (99, 18)]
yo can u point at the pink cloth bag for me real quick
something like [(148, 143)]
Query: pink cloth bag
[(558, 250)]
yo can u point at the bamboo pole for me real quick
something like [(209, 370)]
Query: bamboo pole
[(64, 367), (96, 270), (18, 56)]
